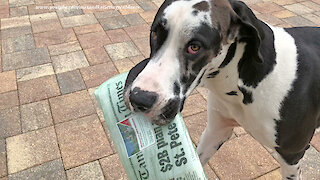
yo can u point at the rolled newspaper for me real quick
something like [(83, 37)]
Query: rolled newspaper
[(146, 150)]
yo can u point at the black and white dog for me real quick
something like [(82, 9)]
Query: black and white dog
[(264, 78)]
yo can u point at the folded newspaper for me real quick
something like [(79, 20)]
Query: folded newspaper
[(146, 150)]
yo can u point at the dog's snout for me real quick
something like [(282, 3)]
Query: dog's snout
[(142, 100)]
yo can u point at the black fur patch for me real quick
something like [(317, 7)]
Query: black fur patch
[(247, 96), (300, 108), (213, 74), (161, 34), (290, 158), (182, 103), (232, 93), (289, 178), (171, 108), (230, 55), (197, 66), (187, 81), (158, 27), (163, 22), (209, 37), (195, 12), (176, 88), (184, 79)]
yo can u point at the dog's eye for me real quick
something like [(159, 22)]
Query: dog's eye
[(193, 49), (154, 35)]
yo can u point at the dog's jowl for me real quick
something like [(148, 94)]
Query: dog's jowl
[(264, 78)]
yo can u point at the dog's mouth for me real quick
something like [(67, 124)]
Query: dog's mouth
[(157, 115), (168, 112), (161, 120)]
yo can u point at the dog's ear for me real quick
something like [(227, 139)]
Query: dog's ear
[(245, 27), (135, 71)]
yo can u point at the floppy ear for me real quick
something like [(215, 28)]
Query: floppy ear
[(247, 28), (134, 72)]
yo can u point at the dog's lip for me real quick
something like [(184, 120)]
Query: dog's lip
[(149, 115), (158, 120), (161, 122)]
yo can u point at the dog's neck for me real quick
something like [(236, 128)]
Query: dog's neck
[(240, 71), (223, 80)]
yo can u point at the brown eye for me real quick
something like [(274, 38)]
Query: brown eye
[(193, 49), (153, 35)]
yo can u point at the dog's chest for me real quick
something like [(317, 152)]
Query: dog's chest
[(256, 118), (257, 122)]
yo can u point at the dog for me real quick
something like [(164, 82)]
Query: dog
[(263, 78)]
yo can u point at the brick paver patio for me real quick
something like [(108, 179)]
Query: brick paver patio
[(52, 60)]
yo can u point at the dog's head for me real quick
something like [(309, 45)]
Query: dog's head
[(188, 39)]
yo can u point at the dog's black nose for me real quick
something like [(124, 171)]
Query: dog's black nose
[(142, 100)]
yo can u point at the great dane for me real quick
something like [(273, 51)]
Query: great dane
[(263, 78)]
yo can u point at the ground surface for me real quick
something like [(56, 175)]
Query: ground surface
[(52, 61)]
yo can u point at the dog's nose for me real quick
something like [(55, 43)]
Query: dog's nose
[(142, 100)]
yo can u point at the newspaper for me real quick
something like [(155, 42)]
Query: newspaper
[(146, 150)]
